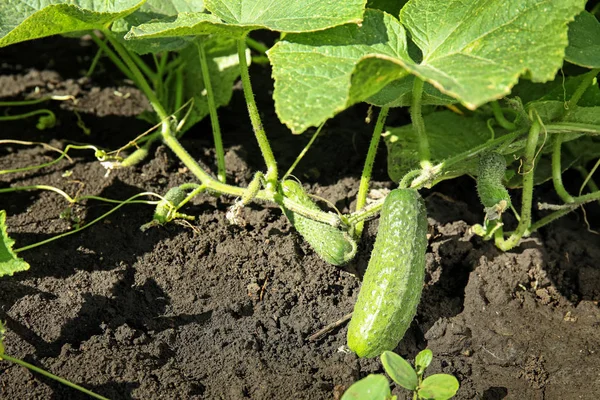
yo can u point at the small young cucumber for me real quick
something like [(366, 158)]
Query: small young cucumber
[(172, 199), (492, 193), (332, 244), (392, 285)]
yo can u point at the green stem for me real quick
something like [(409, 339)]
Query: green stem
[(113, 57), (27, 115), (303, 152), (178, 89), (578, 201), (153, 76), (419, 124), (256, 46), (500, 118), (588, 79), (51, 376), (24, 102), (527, 169), (94, 63), (214, 117), (557, 170), (63, 154), (438, 169), (365, 178), (587, 177), (261, 137), (129, 200), (573, 127)]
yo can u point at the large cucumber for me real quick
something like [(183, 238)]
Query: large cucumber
[(332, 244), (392, 285)]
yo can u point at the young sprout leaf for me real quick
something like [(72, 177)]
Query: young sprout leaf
[(238, 17), (9, 262), (399, 370), (584, 41), (423, 359), (25, 20), (438, 387), (372, 387)]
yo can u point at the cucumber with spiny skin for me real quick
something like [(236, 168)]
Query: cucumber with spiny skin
[(332, 244), (492, 192), (172, 199), (393, 281)]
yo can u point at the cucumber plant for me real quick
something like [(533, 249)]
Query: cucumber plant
[(376, 386), (333, 55)]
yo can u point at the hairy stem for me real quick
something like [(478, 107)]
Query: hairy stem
[(500, 118), (419, 124), (528, 168), (261, 137), (557, 170), (365, 178), (214, 117)]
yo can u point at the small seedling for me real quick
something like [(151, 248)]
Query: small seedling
[(376, 387)]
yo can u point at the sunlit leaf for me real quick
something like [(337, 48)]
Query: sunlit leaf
[(9, 262), (22, 20)]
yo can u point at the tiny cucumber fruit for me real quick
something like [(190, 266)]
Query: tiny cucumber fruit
[(393, 281), (332, 244), (172, 199), (491, 190)]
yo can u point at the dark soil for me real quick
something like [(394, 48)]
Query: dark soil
[(211, 310)]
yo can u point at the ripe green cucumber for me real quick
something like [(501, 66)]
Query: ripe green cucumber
[(332, 244), (492, 193), (172, 199), (392, 285)]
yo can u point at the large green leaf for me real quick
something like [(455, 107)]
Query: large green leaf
[(472, 50), (22, 20), (237, 17), (9, 262), (313, 71), (154, 10), (449, 134), (475, 50), (584, 41)]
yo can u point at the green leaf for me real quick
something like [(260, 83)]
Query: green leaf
[(153, 10), (399, 370), (472, 50), (223, 66), (449, 134), (9, 262), (288, 16), (584, 41), (498, 39), (313, 71), (238, 17), (438, 387), (373, 387), (22, 20), (423, 359)]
